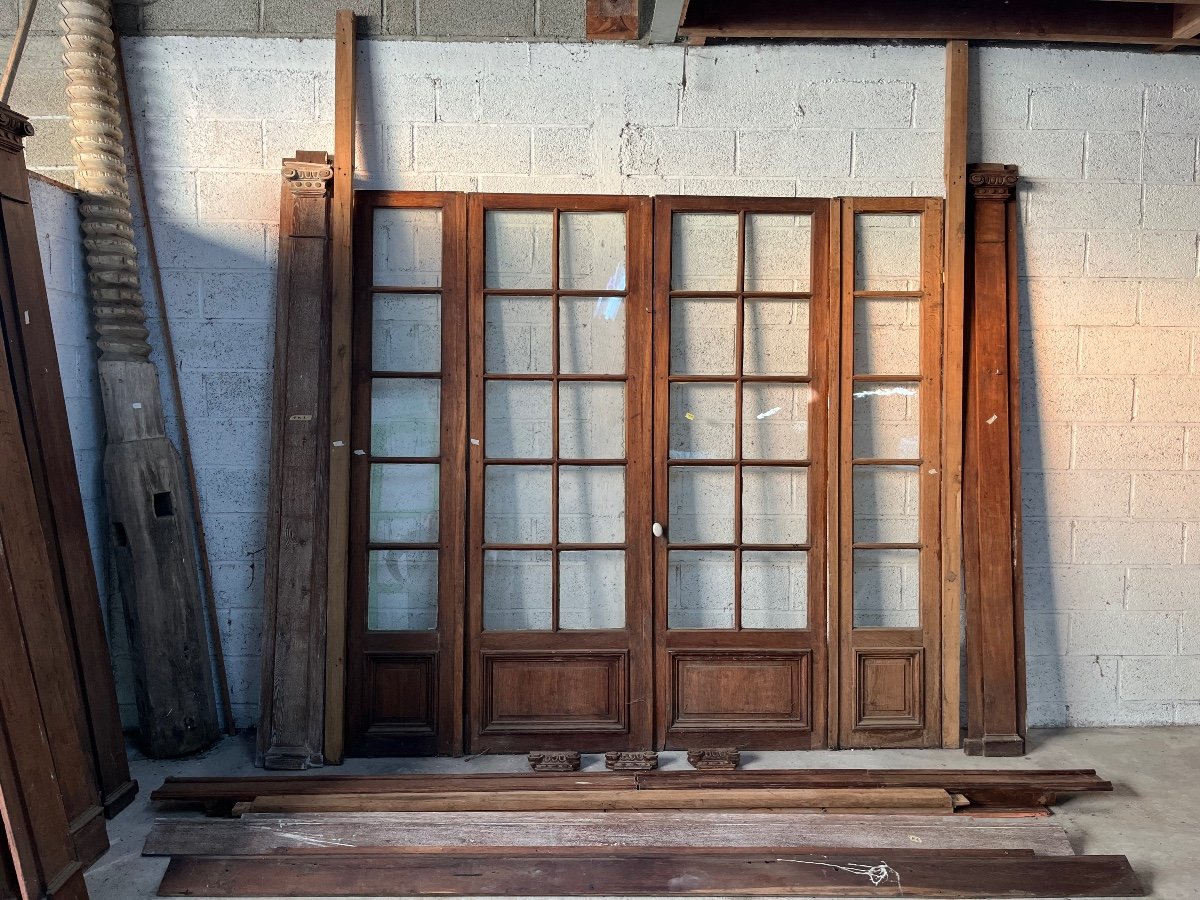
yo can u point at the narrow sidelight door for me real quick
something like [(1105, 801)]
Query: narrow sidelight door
[(742, 306), (890, 457), (404, 634), (558, 601)]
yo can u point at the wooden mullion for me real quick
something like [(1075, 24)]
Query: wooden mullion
[(555, 365), (548, 376), (954, 268), (550, 292), (477, 430)]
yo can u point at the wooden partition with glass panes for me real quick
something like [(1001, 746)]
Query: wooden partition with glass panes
[(558, 626), (890, 457), (742, 317), (408, 434), (636, 474)]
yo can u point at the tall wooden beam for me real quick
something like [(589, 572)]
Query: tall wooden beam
[(341, 320), (955, 161)]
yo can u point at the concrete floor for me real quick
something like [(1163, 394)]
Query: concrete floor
[(1153, 816)]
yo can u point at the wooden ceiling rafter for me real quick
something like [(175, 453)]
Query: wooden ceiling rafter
[(1161, 25)]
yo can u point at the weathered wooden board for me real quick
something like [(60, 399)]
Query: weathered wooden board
[(261, 833), (917, 800), (540, 873), (984, 788)]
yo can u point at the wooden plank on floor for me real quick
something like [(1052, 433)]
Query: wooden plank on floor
[(917, 800), (640, 873), (261, 833), (971, 783)]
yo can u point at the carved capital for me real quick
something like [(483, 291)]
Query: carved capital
[(992, 181), (714, 759), (554, 760), (308, 179), (14, 128), (631, 760)]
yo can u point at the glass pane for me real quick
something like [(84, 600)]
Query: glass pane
[(774, 589), (886, 420), (704, 252), (591, 420), (777, 337), (700, 505), (887, 336), (778, 252), (516, 505), (517, 590), (518, 335), (408, 248), (591, 589), (703, 337), (887, 502), (591, 504), (774, 421), (402, 590), (700, 589), (517, 419), (405, 416), (887, 252), (591, 251), (701, 424), (404, 503), (774, 505), (887, 588), (517, 248), (591, 335), (406, 333)]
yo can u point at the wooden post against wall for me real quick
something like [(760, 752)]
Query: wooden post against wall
[(341, 222), (291, 729), (955, 158), (992, 501)]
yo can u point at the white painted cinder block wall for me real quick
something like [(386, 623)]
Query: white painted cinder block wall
[(1110, 213)]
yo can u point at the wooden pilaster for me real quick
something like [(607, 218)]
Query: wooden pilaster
[(992, 495), (292, 724)]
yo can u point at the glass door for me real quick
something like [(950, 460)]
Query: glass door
[(404, 646), (890, 473), (559, 553), (742, 330)]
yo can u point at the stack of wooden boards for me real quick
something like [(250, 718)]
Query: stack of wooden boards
[(822, 833)]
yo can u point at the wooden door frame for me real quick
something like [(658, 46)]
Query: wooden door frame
[(637, 635), (441, 650)]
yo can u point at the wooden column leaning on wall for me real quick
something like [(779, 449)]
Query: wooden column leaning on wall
[(28, 331), (291, 728), (53, 821), (992, 483), (31, 547)]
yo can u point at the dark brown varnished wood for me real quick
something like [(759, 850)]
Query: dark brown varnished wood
[(781, 872)]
